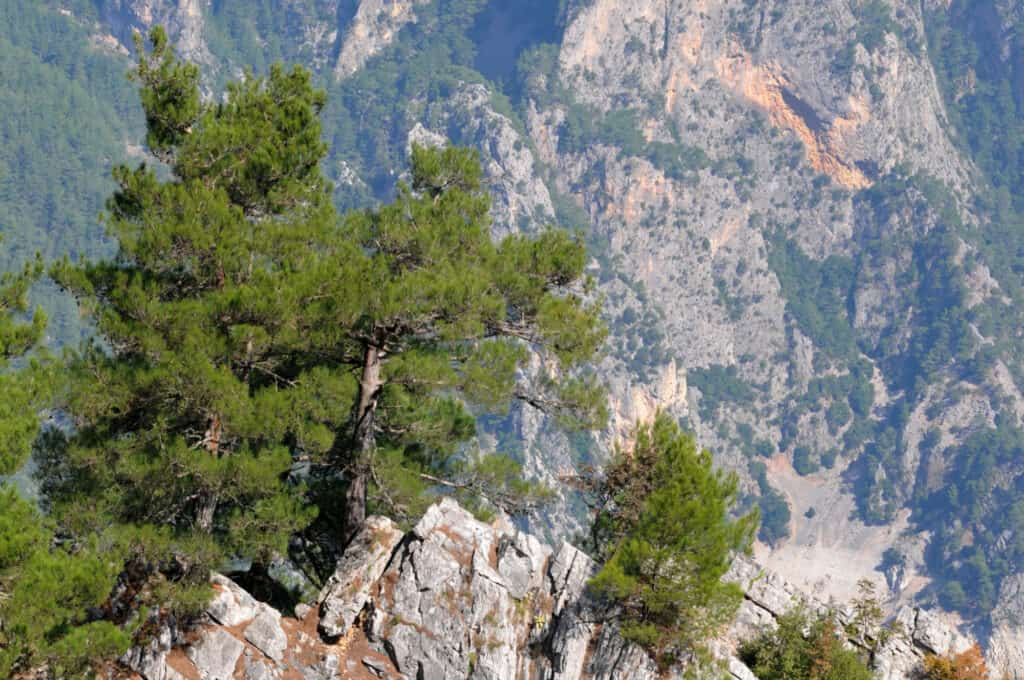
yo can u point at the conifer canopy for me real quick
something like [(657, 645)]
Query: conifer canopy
[(665, 525)]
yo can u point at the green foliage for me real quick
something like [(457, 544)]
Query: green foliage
[(667, 518), (974, 571), (584, 126), (837, 415), (169, 93), (435, 319), (775, 511), (46, 591), (65, 111), (804, 646), (874, 22), (262, 32), (978, 81), (24, 391), (718, 385), (183, 431), (247, 327), (803, 461), (816, 295), (978, 70), (677, 161)]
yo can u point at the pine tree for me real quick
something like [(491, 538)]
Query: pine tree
[(252, 340), (24, 391), (45, 589), (672, 545), (185, 419), (436, 321)]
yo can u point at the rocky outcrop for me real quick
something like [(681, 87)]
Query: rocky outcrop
[(453, 598), (183, 20), (917, 632), (1006, 643), (374, 27), (359, 570), (458, 598)]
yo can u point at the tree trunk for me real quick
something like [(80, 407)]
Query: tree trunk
[(205, 511), (363, 443), (207, 505)]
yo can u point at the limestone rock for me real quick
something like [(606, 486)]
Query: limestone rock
[(259, 669), (569, 572), (460, 598), (374, 26), (148, 660), (231, 605), (1006, 644), (266, 634), (216, 654), (935, 635), (348, 589)]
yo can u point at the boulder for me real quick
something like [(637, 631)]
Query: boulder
[(265, 633), (231, 605), (215, 654)]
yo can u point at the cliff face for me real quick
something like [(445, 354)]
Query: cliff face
[(786, 229), (457, 598)]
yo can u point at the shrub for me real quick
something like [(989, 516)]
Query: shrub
[(967, 665), (805, 646)]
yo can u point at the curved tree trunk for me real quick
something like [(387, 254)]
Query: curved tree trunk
[(364, 443)]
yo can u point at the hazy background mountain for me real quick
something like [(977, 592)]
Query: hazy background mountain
[(805, 217)]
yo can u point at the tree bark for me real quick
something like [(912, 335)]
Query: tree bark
[(207, 505), (363, 443), (205, 512)]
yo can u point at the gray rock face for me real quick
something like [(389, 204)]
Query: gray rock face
[(148, 660), (215, 655), (1006, 645), (348, 589), (183, 20), (266, 634), (373, 28), (258, 669), (231, 605)]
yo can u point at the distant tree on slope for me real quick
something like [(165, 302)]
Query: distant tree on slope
[(804, 646), (664, 525)]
